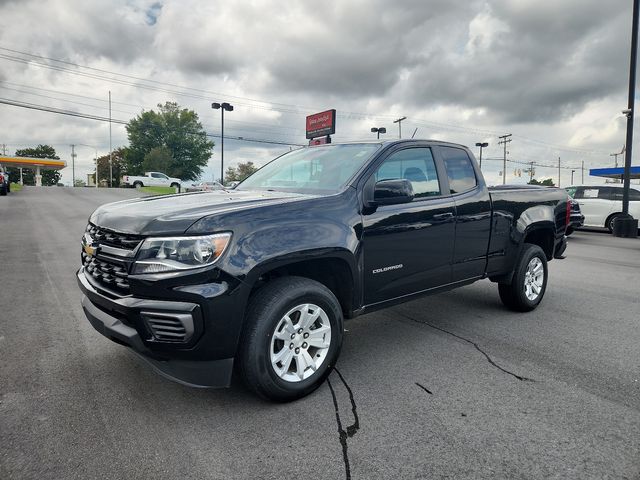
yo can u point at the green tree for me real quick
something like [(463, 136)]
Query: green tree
[(158, 159), (176, 129), (239, 173), (547, 182), (118, 165), (49, 177)]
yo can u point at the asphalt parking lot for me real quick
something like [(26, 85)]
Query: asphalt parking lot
[(449, 386)]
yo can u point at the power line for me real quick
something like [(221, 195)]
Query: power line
[(60, 111)]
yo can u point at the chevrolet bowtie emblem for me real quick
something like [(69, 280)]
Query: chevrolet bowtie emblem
[(90, 250)]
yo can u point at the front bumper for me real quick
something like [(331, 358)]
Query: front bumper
[(120, 320)]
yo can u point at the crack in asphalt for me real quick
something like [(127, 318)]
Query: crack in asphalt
[(351, 429), (424, 388), (477, 347)]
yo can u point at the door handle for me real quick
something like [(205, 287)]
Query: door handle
[(443, 216)]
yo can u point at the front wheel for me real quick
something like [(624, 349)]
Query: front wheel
[(529, 281), (175, 185), (292, 338)]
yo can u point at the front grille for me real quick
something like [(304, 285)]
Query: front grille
[(109, 273), (113, 239), (109, 265)]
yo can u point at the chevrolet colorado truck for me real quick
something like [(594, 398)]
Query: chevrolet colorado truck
[(259, 279)]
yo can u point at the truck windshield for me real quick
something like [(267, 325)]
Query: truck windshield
[(319, 170)]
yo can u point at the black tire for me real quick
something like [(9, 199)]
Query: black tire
[(610, 220), (8, 188), (175, 185), (3, 190), (569, 231), (513, 295), (265, 311), (137, 184)]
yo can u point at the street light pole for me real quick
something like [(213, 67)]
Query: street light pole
[(572, 172), (625, 225), (222, 107), (481, 145), (378, 130)]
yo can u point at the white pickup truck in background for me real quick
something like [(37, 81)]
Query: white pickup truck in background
[(151, 179)]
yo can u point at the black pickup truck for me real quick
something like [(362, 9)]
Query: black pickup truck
[(261, 277)]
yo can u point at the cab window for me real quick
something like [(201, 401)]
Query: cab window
[(462, 176), (417, 166)]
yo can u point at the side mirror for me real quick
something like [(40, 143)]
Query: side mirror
[(393, 192)]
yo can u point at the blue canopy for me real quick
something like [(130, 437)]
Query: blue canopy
[(614, 172)]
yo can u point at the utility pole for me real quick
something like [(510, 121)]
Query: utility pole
[(582, 177), (616, 157), (504, 139), (531, 171), (4, 149), (110, 148), (73, 164), (399, 122), (558, 172)]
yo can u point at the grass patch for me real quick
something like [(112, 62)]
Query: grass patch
[(158, 190), (15, 187)]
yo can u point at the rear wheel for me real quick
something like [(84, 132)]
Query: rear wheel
[(569, 231), (292, 338), (3, 190), (137, 184), (610, 221), (529, 280)]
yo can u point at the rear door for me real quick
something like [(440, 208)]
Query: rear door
[(596, 204), (409, 247), (473, 213)]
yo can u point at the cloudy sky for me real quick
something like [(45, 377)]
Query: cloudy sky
[(552, 73)]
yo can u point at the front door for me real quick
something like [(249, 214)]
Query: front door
[(409, 247)]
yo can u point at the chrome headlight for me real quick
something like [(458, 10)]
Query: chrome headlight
[(169, 254)]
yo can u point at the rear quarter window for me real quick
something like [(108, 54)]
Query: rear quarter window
[(460, 171)]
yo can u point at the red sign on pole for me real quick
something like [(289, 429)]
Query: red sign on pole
[(320, 124)]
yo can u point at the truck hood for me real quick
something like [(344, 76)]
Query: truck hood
[(174, 214)]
